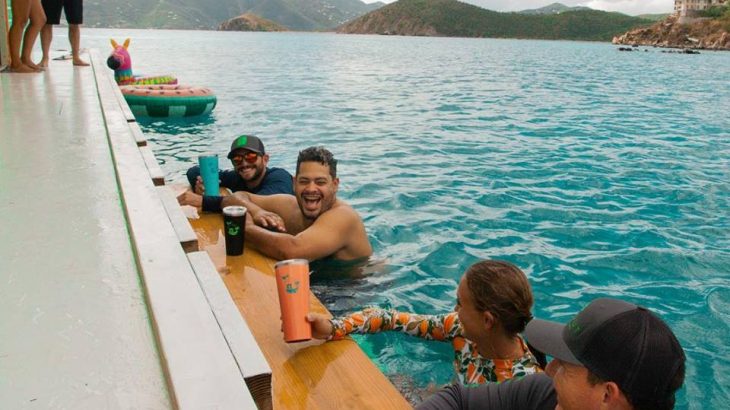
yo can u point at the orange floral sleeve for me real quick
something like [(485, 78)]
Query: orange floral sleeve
[(374, 320)]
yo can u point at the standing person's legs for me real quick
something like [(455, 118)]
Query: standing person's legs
[(53, 16), (75, 17), (21, 14), (37, 21), (46, 38), (74, 36)]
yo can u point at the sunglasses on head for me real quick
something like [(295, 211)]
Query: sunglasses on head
[(249, 157)]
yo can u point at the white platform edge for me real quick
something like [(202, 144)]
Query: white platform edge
[(156, 174), (137, 132), (200, 368), (250, 359), (122, 102), (184, 231)]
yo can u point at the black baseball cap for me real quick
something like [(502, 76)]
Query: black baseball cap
[(620, 342), (249, 142)]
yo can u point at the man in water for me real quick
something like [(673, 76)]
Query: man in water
[(612, 355), (249, 174), (313, 224)]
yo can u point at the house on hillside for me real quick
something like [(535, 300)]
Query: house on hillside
[(689, 8)]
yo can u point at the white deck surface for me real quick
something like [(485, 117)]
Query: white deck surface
[(74, 327)]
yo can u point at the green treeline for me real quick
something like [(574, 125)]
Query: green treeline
[(454, 18)]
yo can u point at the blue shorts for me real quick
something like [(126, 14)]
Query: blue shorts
[(74, 10)]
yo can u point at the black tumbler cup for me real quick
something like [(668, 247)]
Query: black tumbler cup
[(234, 226)]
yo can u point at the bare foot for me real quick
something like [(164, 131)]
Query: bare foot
[(80, 62), (32, 65), (21, 68), (43, 63)]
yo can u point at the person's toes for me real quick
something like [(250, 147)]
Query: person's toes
[(32, 65), (22, 68), (81, 63)]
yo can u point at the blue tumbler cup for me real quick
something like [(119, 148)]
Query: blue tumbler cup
[(209, 173)]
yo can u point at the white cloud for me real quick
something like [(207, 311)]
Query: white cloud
[(631, 7)]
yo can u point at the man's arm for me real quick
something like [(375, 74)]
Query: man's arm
[(228, 179), (209, 203), (327, 235), (265, 211), (533, 392)]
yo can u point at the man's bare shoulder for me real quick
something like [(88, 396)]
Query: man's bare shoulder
[(342, 210), (343, 221), (341, 217)]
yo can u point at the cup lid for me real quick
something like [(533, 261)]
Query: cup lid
[(291, 262), (234, 210)]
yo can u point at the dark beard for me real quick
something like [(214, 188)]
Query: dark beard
[(255, 176)]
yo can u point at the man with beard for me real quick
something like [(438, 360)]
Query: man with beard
[(249, 174), (311, 225)]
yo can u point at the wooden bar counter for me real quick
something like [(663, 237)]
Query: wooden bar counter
[(309, 375)]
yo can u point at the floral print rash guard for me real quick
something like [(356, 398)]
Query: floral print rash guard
[(471, 368)]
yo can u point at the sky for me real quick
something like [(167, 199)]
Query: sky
[(631, 7)]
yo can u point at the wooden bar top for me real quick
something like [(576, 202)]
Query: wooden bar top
[(311, 375)]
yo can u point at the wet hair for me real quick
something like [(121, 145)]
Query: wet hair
[(502, 289), (656, 402), (318, 154)]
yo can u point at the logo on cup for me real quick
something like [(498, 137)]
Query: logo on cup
[(292, 288), (232, 228), (289, 287)]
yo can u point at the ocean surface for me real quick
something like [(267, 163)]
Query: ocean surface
[(597, 172)]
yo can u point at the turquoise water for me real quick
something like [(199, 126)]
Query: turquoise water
[(599, 173)]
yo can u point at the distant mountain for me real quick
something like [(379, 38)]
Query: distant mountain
[(250, 22), (554, 8), (454, 18), (209, 14)]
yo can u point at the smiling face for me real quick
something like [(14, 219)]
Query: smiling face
[(250, 166), (315, 189), (573, 388)]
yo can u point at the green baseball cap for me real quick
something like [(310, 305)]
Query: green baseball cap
[(249, 142)]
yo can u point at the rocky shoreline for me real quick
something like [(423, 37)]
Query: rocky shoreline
[(703, 34)]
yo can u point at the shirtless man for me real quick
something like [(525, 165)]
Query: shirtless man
[(313, 224)]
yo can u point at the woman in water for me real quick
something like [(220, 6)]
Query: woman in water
[(492, 307)]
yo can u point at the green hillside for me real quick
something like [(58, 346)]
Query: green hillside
[(209, 14), (454, 18)]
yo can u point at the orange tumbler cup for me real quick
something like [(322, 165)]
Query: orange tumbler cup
[(292, 282)]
